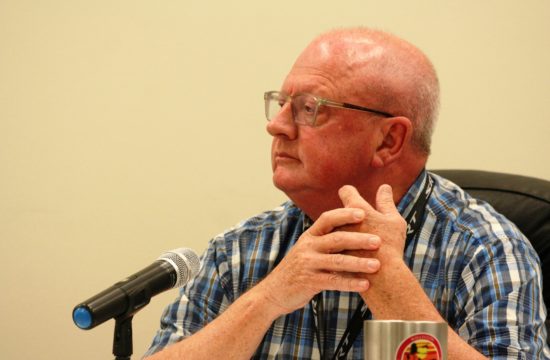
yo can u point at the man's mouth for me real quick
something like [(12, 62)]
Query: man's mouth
[(282, 155)]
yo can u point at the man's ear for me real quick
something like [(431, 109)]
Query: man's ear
[(395, 133)]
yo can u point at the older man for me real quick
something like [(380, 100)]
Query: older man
[(351, 130)]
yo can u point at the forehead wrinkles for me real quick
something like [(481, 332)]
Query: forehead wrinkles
[(307, 78), (340, 64)]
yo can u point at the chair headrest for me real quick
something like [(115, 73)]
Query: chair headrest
[(524, 200)]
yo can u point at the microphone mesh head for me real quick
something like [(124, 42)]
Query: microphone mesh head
[(186, 263)]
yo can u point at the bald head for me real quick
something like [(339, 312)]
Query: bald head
[(377, 68)]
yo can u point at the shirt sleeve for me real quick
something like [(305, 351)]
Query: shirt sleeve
[(198, 303), (501, 309)]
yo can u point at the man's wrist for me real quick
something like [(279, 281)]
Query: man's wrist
[(260, 297)]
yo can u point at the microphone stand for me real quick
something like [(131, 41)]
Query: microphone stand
[(122, 340)]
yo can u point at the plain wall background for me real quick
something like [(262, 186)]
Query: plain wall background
[(128, 128)]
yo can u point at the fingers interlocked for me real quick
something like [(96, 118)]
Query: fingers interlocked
[(321, 260), (331, 247)]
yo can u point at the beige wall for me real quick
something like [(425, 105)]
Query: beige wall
[(128, 128)]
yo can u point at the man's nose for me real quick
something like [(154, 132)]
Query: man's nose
[(283, 124)]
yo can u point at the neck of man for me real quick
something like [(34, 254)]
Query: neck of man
[(313, 203)]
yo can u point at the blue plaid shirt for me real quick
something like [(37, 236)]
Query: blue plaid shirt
[(476, 267)]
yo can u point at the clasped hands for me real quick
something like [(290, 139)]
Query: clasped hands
[(343, 250)]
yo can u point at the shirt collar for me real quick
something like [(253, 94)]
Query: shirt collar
[(407, 202), (307, 222)]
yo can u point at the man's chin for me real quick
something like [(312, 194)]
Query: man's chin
[(286, 185), (295, 190), (281, 185)]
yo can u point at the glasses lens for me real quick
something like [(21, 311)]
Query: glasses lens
[(274, 101), (304, 109), (304, 106)]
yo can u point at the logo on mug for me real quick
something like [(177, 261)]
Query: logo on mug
[(420, 346)]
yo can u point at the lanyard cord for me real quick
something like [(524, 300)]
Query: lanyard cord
[(414, 222)]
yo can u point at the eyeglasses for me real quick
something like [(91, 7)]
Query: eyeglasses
[(306, 106)]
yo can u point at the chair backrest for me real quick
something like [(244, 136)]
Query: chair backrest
[(524, 200)]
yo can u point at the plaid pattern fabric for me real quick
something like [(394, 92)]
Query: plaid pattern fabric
[(480, 272)]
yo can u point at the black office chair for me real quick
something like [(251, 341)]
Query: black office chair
[(524, 200)]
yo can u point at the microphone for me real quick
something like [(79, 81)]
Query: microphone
[(172, 269)]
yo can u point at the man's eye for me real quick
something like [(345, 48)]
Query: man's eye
[(309, 109), (281, 102)]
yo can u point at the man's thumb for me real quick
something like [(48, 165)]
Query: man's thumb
[(384, 199)]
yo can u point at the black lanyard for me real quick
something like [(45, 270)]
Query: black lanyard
[(414, 222)]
